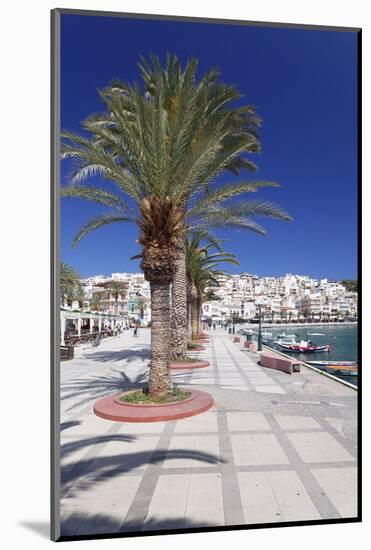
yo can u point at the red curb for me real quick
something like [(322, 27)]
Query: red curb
[(189, 365), (109, 409)]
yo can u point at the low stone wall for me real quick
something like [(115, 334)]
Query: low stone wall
[(272, 361), (251, 345)]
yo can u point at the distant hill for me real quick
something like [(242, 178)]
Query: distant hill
[(351, 285)]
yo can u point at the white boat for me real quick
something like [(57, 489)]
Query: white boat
[(289, 339), (304, 346), (248, 331)]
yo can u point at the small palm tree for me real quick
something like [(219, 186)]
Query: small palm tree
[(69, 280), (96, 302), (201, 274), (80, 295), (116, 289), (210, 296), (142, 306)]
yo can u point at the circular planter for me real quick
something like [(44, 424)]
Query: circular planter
[(111, 408), (189, 365)]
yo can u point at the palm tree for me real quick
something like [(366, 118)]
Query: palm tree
[(69, 280), (210, 296), (162, 146), (96, 302), (239, 136), (116, 289), (80, 295), (142, 305), (201, 274)]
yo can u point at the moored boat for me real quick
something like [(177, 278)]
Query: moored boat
[(345, 368), (304, 346)]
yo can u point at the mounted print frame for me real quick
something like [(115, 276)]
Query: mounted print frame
[(206, 264)]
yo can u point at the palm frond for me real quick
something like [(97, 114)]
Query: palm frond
[(97, 222), (229, 191), (163, 144), (96, 194)]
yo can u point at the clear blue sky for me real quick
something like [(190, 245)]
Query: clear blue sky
[(303, 84)]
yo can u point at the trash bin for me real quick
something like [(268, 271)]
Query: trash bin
[(248, 337), (229, 330)]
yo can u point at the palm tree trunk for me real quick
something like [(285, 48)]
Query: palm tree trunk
[(179, 307), (189, 307), (194, 309), (199, 313), (159, 373)]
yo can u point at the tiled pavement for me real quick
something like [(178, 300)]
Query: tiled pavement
[(274, 448)]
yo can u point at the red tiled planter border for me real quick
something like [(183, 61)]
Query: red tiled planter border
[(110, 409)]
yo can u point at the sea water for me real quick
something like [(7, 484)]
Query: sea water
[(343, 338)]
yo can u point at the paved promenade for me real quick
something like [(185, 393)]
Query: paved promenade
[(274, 448)]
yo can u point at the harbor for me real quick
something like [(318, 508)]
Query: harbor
[(342, 358)]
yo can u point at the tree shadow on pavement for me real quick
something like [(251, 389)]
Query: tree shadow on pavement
[(73, 446), (85, 474), (93, 387), (127, 355), (101, 524), (69, 424)]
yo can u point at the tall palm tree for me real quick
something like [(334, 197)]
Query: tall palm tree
[(162, 146), (239, 136)]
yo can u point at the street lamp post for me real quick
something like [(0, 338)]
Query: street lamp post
[(260, 337)]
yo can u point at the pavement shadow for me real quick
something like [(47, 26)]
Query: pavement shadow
[(73, 446), (69, 424), (92, 387), (101, 524), (127, 355), (85, 474)]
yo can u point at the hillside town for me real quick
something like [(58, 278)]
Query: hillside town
[(291, 298)]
